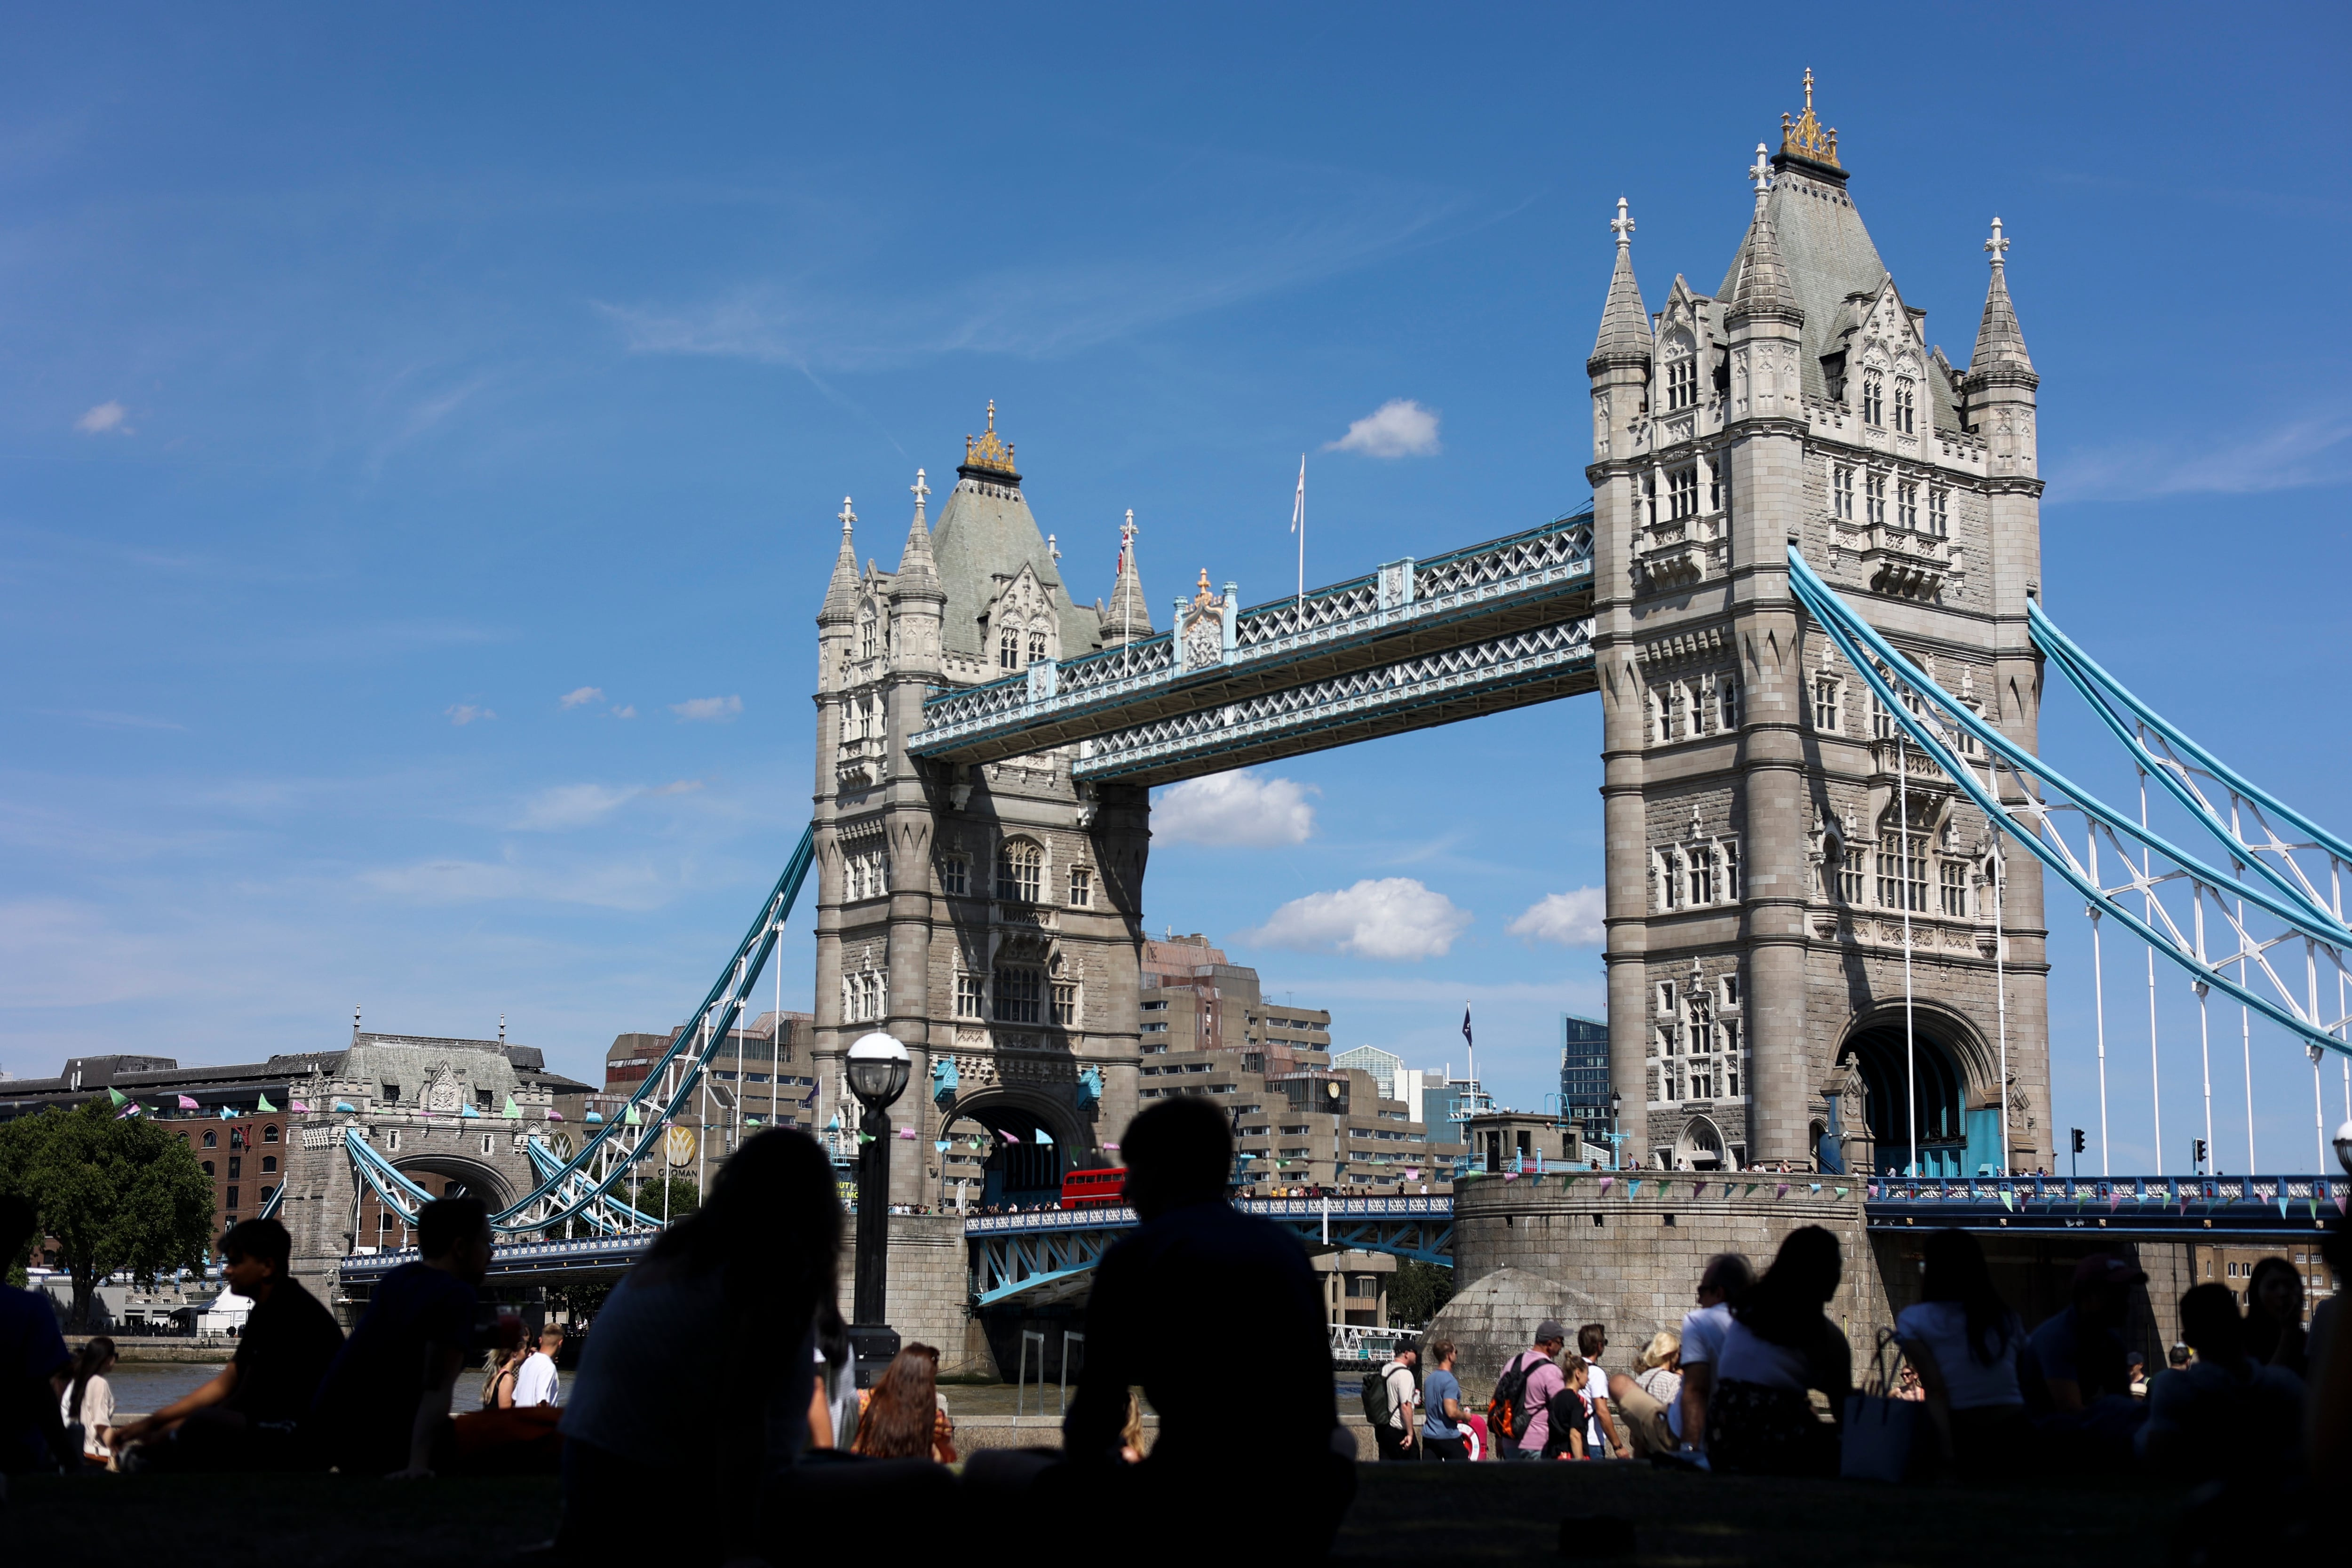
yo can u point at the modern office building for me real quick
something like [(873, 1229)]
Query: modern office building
[(1584, 1074)]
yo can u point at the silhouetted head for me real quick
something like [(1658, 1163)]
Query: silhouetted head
[(773, 1221), (455, 1233), (255, 1254), (1783, 1306), (2209, 1322), (1726, 1277), (1178, 1152)]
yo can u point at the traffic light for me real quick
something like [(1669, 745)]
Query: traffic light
[(2201, 1156), (2078, 1140)]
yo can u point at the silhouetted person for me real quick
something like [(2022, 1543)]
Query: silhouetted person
[(2075, 1358), (2274, 1331), (1759, 1419), (2225, 1414), (33, 1358), (1963, 1339), (1724, 1281), (1245, 1457), (383, 1409), (248, 1418)]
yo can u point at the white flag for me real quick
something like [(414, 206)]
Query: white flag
[(1298, 507)]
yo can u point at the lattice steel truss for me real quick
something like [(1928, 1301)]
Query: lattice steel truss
[(1403, 611), (581, 1187), (2203, 918)]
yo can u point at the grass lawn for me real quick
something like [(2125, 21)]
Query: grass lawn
[(1403, 1513)]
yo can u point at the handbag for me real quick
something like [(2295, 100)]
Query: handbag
[(1875, 1439)]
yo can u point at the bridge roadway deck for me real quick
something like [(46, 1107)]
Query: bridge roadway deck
[(1049, 1251), (1410, 644)]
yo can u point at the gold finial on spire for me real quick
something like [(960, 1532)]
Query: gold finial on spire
[(990, 451), (1205, 597), (1803, 136)]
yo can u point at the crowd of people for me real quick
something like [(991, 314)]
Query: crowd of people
[(1760, 1380), (1757, 1378)]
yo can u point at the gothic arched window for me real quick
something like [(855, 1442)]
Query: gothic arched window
[(1036, 647), (1020, 871), (1906, 403), (1681, 383), (270, 1134), (1008, 649), (1873, 400), (866, 638)]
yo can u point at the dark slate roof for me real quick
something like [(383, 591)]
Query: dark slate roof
[(985, 535)]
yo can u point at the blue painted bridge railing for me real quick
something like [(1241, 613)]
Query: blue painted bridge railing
[(1047, 1256), (2171, 1206)]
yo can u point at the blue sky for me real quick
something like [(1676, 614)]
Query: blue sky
[(369, 382)]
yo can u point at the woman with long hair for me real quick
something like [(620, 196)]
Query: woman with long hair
[(1779, 1348), (696, 1382), (1963, 1340), (2275, 1335), (498, 1388), (901, 1419), (88, 1400)]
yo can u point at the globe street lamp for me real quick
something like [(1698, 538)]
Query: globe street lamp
[(2343, 1147), (877, 1076)]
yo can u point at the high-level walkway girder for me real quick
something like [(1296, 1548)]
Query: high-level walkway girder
[(1286, 659)]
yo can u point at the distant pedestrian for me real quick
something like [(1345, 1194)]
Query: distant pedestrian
[(87, 1406), (1570, 1412), (1724, 1281), (1397, 1427), (1782, 1347), (32, 1355), (1441, 1404), (2275, 1335), (1519, 1420), (537, 1383), (1649, 1403), (499, 1388), (1602, 1437)]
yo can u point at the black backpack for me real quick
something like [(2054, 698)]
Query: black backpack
[(1377, 1408)]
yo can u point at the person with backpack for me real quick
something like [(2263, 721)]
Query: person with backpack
[(1390, 1395), (1518, 1416)]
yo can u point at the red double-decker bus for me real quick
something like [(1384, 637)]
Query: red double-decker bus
[(1094, 1189)]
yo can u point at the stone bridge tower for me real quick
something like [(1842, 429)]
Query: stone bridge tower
[(990, 917), (1761, 865)]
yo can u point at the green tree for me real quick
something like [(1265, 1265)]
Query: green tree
[(679, 1193), (1417, 1291), (116, 1193)]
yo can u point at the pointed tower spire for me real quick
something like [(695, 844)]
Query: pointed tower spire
[(1128, 616), (1761, 285), (1999, 343), (1625, 337), (841, 593), (915, 564)]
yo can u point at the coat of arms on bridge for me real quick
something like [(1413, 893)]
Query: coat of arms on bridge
[(1204, 626), (444, 1095)]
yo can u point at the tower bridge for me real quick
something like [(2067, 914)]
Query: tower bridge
[(1805, 594)]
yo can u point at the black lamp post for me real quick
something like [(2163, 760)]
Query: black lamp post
[(1616, 1133), (878, 1076)]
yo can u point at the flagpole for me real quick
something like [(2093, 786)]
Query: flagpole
[(1298, 526)]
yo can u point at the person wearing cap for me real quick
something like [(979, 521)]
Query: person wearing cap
[(1545, 1379), (2075, 1357)]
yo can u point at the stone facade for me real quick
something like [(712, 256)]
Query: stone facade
[(1760, 860), (987, 917)]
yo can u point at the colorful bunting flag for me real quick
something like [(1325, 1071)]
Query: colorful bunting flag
[(1750, 1190), (345, 1107), (119, 1095), (186, 1103), (553, 1114), (1817, 1189), (1781, 1190), (513, 1112), (1633, 1188), (300, 1110), (127, 1113), (2005, 1202), (630, 1118), (262, 1103), (1843, 1191), (1607, 1183)]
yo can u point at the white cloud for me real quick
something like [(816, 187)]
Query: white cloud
[(713, 709), (565, 807), (464, 713), (1394, 917), (1397, 428), (627, 710), (1238, 809), (1572, 920), (580, 696), (106, 417)]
